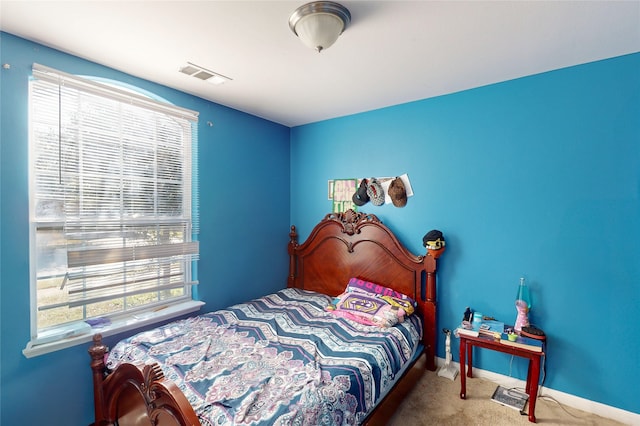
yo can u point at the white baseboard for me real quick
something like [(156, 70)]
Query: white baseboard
[(622, 416)]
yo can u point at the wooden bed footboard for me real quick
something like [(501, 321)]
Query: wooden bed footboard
[(134, 395)]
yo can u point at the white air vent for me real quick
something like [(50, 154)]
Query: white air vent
[(203, 74)]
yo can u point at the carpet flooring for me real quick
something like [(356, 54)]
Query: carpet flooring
[(436, 400)]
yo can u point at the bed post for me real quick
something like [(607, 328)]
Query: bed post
[(293, 243), (97, 352), (431, 312)]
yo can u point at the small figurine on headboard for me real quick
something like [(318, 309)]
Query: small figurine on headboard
[(434, 242)]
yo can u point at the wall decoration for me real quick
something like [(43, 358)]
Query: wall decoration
[(340, 191), (343, 190)]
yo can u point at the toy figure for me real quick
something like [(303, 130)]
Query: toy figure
[(434, 242)]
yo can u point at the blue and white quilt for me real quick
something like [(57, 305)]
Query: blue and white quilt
[(277, 360)]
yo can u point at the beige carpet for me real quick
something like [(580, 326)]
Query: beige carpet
[(436, 401)]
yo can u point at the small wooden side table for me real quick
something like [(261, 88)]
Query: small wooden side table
[(533, 373)]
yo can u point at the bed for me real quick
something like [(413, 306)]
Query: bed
[(297, 356)]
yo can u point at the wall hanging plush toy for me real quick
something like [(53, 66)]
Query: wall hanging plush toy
[(434, 242)]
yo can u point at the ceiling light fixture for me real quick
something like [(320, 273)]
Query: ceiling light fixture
[(319, 24), (203, 74)]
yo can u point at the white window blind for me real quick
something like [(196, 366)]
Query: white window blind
[(113, 200)]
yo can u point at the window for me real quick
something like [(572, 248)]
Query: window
[(113, 209)]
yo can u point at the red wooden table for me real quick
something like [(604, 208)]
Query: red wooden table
[(533, 374)]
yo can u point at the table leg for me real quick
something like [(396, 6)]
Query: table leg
[(534, 377), (463, 383), (528, 388), (470, 360)]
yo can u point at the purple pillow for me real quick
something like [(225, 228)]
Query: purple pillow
[(366, 308), (356, 284)]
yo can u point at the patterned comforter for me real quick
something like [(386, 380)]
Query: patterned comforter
[(277, 360)]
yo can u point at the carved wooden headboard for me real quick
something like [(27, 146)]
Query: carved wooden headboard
[(356, 244)]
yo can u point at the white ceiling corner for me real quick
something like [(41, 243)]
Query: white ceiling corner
[(392, 52)]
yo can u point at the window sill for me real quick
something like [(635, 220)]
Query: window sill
[(34, 348)]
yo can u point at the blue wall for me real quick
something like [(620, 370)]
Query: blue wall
[(242, 160), (537, 177)]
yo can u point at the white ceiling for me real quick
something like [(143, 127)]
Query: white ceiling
[(393, 52)]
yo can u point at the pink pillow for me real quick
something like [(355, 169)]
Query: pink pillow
[(367, 308), (356, 284)]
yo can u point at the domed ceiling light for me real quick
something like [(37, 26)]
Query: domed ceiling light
[(319, 24)]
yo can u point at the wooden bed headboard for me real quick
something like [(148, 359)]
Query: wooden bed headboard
[(356, 244)]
